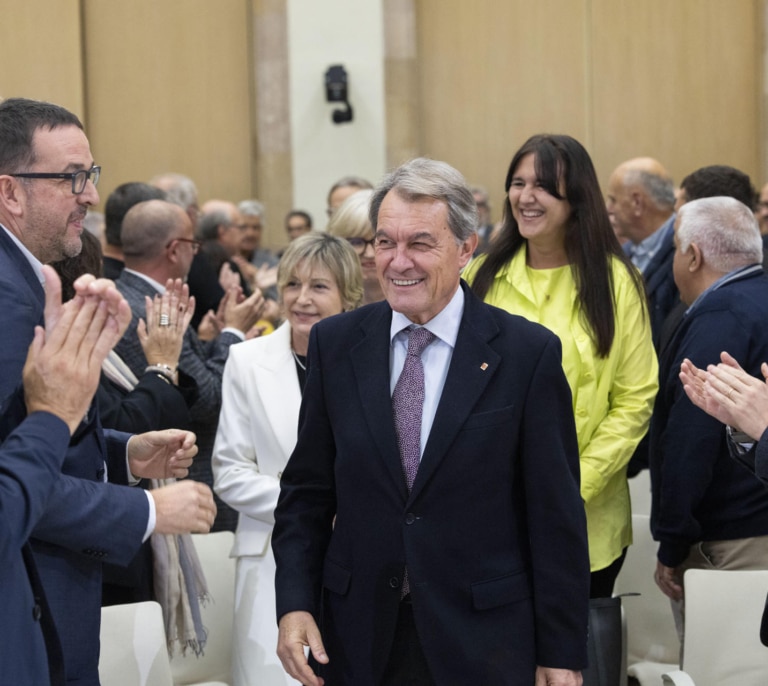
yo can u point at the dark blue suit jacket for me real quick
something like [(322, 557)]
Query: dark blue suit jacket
[(493, 531), (660, 283), (30, 461), (86, 521), (699, 493)]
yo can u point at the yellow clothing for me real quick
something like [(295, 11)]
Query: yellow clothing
[(612, 397)]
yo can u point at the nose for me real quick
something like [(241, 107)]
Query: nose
[(89, 196), (305, 294), (401, 260), (369, 251)]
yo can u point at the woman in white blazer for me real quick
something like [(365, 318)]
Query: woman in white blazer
[(318, 276)]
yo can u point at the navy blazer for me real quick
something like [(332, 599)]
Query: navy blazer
[(699, 493), (660, 282), (30, 461), (493, 532), (86, 521)]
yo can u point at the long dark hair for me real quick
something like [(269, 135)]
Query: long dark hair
[(589, 238)]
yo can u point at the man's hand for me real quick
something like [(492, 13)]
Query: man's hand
[(548, 676), (183, 507), (242, 314), (297, 631), (667, 579), (64, 362), (161, 454)]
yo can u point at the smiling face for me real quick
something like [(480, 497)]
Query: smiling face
[(541, 217), (417, 257), (52, 214), (310, 294)]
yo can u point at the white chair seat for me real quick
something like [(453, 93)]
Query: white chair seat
[(133, 646)]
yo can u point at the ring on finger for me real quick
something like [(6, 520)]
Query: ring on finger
[(164, 320), (730, 393)]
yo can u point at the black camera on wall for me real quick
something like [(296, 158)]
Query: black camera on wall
[(336, 90)]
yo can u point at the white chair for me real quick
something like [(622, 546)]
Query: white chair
[(214, 667), (652, 644), (723, 609), (133, 646)]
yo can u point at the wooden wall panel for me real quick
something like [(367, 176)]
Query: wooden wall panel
[(494, 73), (679, 81), (169, 90), (40, 52)]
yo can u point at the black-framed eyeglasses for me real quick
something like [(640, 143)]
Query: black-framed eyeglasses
[(360, 244), (79, 178), (195, 244)]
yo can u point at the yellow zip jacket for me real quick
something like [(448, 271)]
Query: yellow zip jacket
[(612, 397)]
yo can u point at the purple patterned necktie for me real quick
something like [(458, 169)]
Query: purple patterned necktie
[(408, 403)]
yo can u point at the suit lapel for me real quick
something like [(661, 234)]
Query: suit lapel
[(370, 362), (275, 377), (473, 364), (20, 262)]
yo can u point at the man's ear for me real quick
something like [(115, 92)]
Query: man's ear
[(11, 195), (467, 249), (696, 258), (637, 199)]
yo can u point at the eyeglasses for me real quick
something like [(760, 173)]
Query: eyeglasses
[(195, 244), (79, 178), (360, 244)]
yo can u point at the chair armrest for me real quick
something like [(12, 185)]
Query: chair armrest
[(677, 678)]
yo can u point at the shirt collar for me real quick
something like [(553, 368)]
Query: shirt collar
[(445, 324), (157, 286), (734, 275)]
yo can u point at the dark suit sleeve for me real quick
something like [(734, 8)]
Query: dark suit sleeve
[(556, 520), (153, 405), (30, 462)]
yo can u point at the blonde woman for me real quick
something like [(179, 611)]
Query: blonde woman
[(319, 276)]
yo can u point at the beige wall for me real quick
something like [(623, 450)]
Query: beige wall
[(679, 81), (205, 88), (40, 52), (168, 89)]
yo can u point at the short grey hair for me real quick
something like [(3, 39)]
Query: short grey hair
[(422, 178), (251, 208), (209, 222), (660, 189), (351, 220), (147, 228), (179, 189), (725, 230)]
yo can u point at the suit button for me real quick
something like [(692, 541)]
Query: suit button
[(36, 612), (410, 518), (394, 582)]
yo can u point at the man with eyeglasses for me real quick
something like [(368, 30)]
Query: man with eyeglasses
[(47, 183)]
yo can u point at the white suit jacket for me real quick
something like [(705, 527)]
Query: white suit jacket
[(256, 435)]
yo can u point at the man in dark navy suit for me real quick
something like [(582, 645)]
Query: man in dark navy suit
[(47, 182), (60, 377), (443, 542)]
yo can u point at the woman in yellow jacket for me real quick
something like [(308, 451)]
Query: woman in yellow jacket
[(558, 263)]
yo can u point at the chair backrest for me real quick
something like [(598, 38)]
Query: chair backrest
[(723, 609), (133, 646), (215, 665), (651, 633)]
